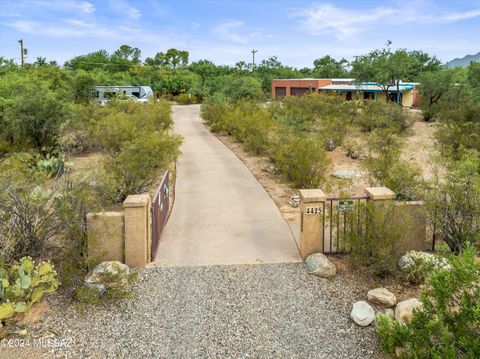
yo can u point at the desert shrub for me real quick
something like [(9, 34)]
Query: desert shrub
[(76, 131), (459, 130), (213, 114), (447, 326), (186, 99), (137, 142), (380, 115), (250, 124), (353, 148), (386, 166), (27, 220), (379, 240), (453, 204), (24, 284), (300, 158), (32, 114)]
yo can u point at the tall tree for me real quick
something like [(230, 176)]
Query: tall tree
[(172, 58), (328, 67), (128, 53), (389, 68)]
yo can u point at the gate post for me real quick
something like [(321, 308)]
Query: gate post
[(137, 230), (380, 194), (312, 218)]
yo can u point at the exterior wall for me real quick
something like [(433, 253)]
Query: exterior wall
[(314, 84), (105, 240), (407, 98), (414, 217)]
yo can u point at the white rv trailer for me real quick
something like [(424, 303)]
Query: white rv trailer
[(103, 93)]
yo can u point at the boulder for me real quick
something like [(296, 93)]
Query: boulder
[(347, 174), (362, 313), (107, 275), (404, 310), (294, 200), (416, 266), (318, 264), (382, 296)]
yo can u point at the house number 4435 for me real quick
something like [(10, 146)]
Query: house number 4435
[(313, 210)]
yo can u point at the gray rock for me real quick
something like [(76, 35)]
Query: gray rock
[(107, 275), (404, 310), (318, 264), (382, 296), (347, 174), (294, 200), (362, 313)]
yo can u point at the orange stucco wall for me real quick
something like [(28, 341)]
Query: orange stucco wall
[(314, 84)]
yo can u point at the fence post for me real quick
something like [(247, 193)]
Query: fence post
[(312, 218), (380, 193), (137, 230)]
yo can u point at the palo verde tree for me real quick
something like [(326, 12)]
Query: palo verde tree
[(389, 68), (328, 67)]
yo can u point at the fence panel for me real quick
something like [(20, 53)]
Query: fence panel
[(340, 215), (160, 209)]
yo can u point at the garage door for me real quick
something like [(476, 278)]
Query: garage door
[(298, 91), (280, 91)]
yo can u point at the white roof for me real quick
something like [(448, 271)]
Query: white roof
[(365, 87)]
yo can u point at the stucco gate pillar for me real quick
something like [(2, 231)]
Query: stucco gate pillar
[(312, 206), (137, 230)]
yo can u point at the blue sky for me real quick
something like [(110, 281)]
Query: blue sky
[(226, 31)]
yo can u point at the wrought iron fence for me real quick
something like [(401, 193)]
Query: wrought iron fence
[(160, 209), (340, 215)]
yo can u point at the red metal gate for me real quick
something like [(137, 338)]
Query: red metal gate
[(160, 207)]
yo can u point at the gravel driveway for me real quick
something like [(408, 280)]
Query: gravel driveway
[(244, 311)]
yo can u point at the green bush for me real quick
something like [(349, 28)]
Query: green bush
[(453, 204), (137, 141), (300, 159), (386, 166), (380, 115), (378, 240), (448, 325), (24, 284), (186, 99)]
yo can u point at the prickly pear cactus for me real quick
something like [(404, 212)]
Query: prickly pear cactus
[(24, 284), (6, 310)]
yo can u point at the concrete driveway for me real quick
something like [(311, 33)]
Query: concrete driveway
[(221, 215)]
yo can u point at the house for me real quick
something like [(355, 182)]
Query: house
[(406, 94)]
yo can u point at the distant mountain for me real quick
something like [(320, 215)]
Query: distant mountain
[(464, 61)]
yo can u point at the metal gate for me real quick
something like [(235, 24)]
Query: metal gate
[(160, 207), (341, 215)]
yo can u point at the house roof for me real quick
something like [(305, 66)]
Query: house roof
[(365, 88)]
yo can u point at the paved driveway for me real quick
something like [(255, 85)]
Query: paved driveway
[(221, 215)]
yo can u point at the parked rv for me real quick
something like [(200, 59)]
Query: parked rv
[(137, 93)]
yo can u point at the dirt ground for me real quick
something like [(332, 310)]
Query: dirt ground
[(416, 148)]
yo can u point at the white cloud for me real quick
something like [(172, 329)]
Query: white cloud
[(329, 19), (229, 30), (325, 19), (70, 5), (124, 8), (70, 28)]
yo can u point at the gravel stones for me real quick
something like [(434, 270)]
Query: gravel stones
[(382, 296), (239, 311), (362, 313), (318, 264)]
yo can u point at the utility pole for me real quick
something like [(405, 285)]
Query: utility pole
[(21, 50), (253, 62)]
